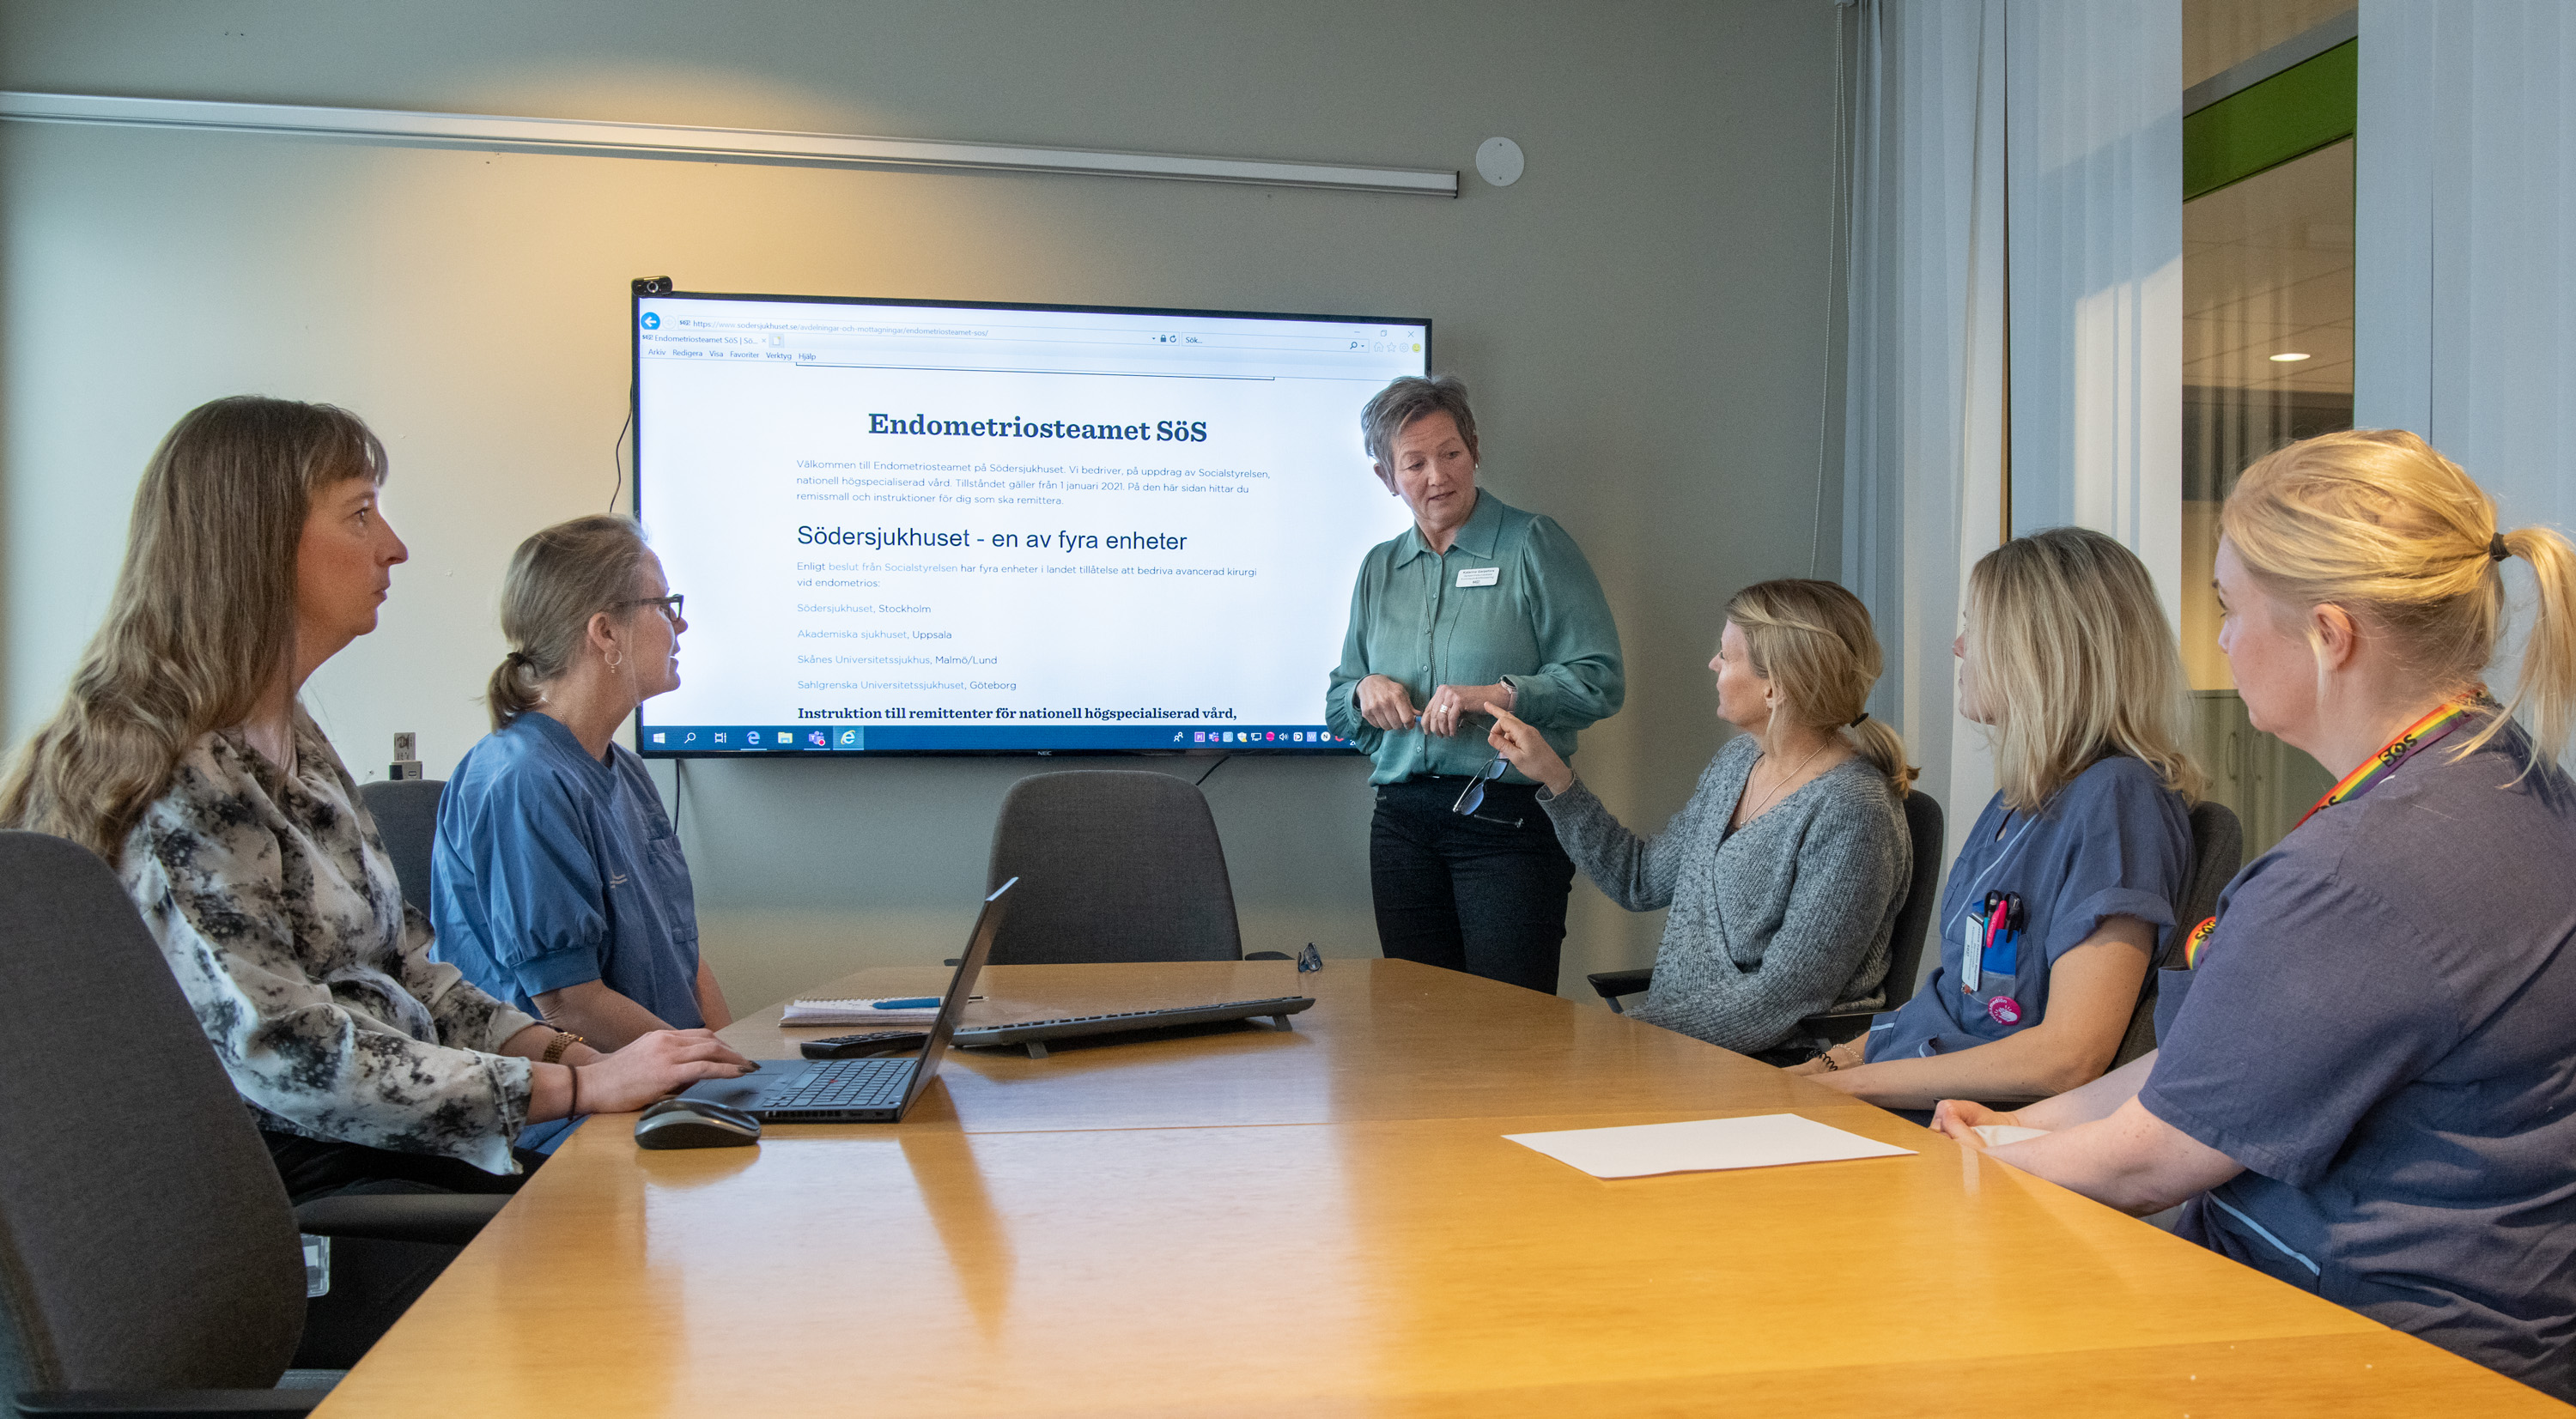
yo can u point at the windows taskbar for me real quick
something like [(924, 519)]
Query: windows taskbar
[(811, 738)]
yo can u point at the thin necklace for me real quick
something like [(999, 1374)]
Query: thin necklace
[(1783, 783)]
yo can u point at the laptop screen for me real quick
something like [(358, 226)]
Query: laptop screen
[(987, 926)]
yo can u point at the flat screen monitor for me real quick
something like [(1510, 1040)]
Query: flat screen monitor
[(908, 527)]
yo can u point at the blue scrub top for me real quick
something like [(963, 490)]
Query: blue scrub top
[(2114, 842), (552, 868), (2379, 1032)]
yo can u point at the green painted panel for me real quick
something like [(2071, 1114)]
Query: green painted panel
[(2299, 110)]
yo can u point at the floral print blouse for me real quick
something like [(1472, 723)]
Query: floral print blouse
[(280, 914)]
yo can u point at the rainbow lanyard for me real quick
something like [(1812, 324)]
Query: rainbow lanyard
[(2421, 734), (2413, 737)]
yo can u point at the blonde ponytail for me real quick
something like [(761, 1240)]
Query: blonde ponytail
[(2377, 522), (1885, 750), (1813, 641), (2547, 684)]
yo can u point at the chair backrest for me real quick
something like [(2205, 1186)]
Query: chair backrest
[(1114, 865), (1923, 824), (2217, 852), (145, 1240), (406, 813)]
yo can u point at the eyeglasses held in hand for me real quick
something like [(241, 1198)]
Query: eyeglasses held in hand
[(1472, 797), (670, 605)]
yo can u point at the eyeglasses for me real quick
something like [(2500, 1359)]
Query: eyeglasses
[(1309, 959), (1472, 797), (670, 605)]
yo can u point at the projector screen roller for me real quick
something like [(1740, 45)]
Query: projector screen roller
[(917, 528)]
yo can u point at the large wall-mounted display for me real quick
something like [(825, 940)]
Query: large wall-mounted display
[(912, 528)]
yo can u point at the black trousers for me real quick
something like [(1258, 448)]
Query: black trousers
[(372, 1282), (1484, 894)]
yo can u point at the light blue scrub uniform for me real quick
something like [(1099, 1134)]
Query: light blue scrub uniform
[(552, 869), (2114, 842)]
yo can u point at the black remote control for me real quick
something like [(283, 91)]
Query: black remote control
[(854, 1046)]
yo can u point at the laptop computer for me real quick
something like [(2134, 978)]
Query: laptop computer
[(859, 1090)]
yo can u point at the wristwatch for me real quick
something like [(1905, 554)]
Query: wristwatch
[(563, 1040)]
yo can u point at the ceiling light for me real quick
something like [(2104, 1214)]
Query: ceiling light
[(2290, 359)]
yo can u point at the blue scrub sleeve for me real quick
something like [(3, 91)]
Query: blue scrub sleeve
[(533, 853), (2306, 1012), (2128, 849)]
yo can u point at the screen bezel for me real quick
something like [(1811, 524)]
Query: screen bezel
[(661, 291)]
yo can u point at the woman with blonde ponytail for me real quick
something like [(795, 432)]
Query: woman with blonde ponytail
[(2366, 1085), (556, 878), (2064, 886), (183, 756), (1785, 870)]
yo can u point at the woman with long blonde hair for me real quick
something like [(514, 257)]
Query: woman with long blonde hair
[(1785, 870), (2365, 1085), (2065, 884), (183, 757)]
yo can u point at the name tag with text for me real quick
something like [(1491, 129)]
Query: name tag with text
[(1480, 576)]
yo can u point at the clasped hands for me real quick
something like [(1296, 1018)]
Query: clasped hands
[(1386, 704)]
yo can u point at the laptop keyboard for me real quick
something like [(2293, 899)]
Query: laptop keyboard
[(847, 1084)]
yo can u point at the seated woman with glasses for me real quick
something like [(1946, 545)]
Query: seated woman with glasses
[(183, 756), (556, 878), (1785, 870)]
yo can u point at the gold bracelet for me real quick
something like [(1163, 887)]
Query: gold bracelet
[(562, 1041)]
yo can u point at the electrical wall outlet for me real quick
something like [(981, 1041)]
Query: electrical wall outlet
[(406, 762)]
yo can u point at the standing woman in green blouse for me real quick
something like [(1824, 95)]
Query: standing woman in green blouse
[(1478, 603)]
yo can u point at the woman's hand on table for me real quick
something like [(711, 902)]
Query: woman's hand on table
[(663, 1062), (1528, 752), (1385, 704), (1961, 1118)]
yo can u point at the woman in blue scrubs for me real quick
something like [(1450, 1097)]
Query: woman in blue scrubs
[(556, 878), (2065, 884), (2366, 1086)]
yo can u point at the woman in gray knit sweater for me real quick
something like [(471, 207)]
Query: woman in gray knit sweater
[(1785, 870)]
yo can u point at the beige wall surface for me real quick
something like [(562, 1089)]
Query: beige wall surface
[(1642, 318)]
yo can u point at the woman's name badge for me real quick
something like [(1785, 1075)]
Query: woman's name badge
[(1972, 953), (1480, 576)]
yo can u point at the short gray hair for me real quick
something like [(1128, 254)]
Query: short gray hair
[(1411, 398)]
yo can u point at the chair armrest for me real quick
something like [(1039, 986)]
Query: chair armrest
[(446, 1218), (1267, 956), (1613, 984), (173, 1403)]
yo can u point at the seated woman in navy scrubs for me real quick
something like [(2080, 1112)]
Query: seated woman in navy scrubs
[(2367, 1085), (556, 879), (2065, 884)]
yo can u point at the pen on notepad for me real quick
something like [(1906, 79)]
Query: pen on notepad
[(918, 1002)]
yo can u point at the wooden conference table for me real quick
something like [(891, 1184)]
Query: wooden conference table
[(1327, 1221)]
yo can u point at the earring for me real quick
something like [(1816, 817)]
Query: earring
[(617, 662)]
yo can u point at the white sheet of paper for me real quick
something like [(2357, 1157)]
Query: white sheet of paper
[(1999, 1134), (1703, 1145)]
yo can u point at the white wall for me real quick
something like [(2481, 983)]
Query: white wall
[(1642, 319)]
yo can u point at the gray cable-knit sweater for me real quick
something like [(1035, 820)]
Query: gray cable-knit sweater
[(1787, 918)]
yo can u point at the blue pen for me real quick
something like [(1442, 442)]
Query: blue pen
[(918, 1002)]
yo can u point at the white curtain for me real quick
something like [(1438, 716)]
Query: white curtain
[(2096, 220), (1923, 414), (2465, 187)]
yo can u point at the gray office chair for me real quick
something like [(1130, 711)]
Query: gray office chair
[(406, 814), (1114, 865), (148, 1258), (2217, 852), (1927, 831)]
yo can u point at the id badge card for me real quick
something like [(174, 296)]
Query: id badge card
[(1480, 576), (1972, 952)]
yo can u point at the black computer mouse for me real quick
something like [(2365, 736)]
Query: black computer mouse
[(695, 1123)]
